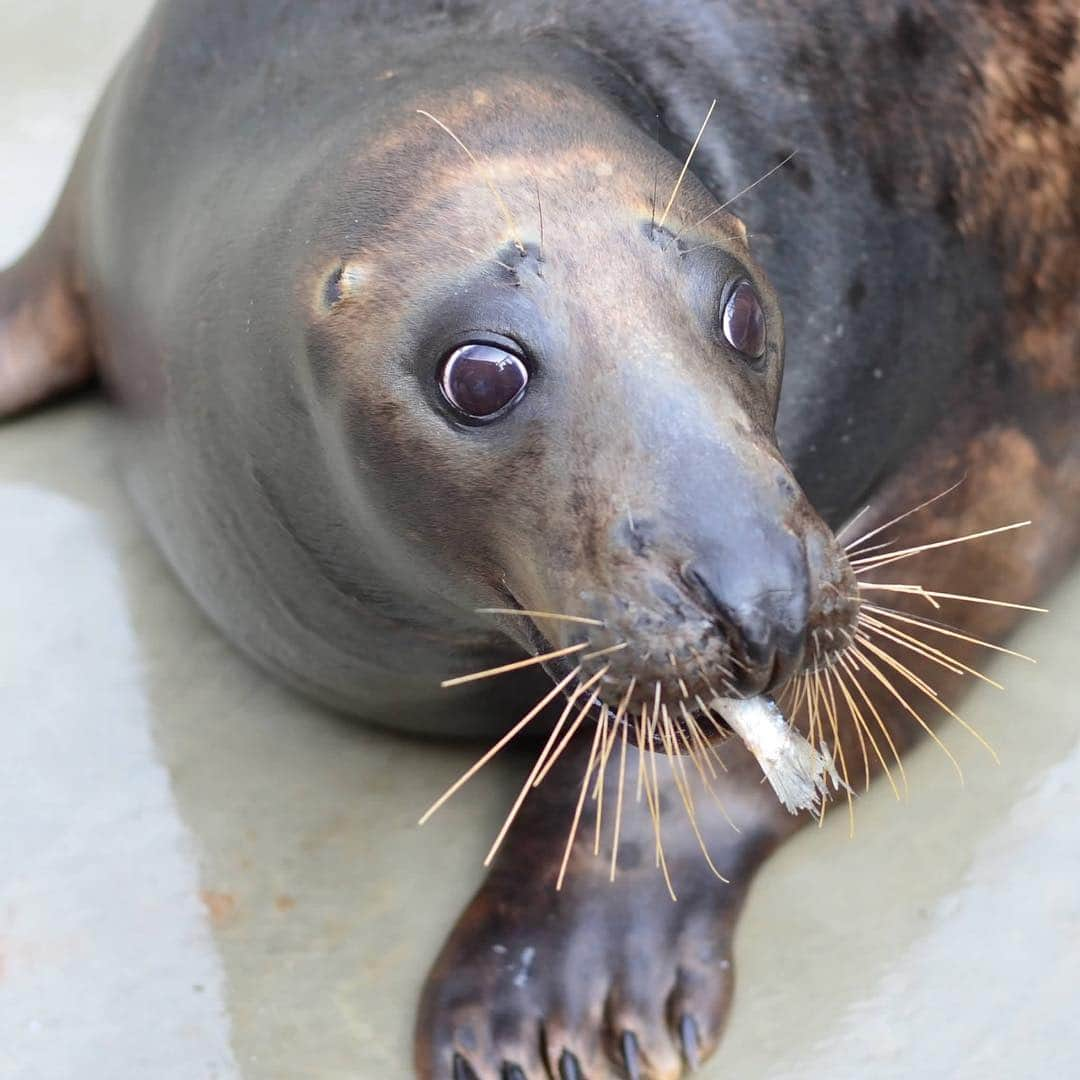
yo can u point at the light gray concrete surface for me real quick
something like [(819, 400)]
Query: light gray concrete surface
[(203, 876)]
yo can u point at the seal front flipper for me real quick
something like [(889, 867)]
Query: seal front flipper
[(598, 978), (44, 329)]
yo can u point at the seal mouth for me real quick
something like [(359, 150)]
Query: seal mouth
[(667, 712), (660, 655)]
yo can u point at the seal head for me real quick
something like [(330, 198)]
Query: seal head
[(570, 406)]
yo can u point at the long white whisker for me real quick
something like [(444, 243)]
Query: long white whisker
[(859, 541), (863, 565), (511, 734), (686, 165), (749, 187)]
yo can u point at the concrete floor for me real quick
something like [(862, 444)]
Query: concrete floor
[(204, 876)]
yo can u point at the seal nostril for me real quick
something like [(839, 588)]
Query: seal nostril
[(765, 633), (696, 581), (724, 619), (755, 634)]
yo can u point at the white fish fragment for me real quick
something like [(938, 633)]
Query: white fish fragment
[(798, 773)]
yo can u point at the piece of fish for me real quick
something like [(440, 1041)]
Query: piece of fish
[(799, 774)]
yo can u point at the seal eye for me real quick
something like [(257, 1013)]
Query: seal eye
[(743, 320), (483, 381)]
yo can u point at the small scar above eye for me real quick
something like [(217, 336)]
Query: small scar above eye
[(332, 287), (342, 282)]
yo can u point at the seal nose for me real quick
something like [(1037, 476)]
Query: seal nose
[(764, 623)]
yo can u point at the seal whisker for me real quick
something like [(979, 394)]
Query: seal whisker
[(657, 692), (864, 640), (692, 726), (515, 666), (849, 523), (609, 744), (838, 747), (540, 217), (848, 664), (718, 243), (480, 255), (723, 731), (911, 677), (708, 750), (598, 790), (620, 712), (741, 664), (525, 788), (605, 746), (876, 547), (651, 793), (558, 616), (660, 859), (818, 739), (884, 680), (510, 735), (909, 641), (577, 810), (942, 628), (739, 194), (875, 561), (652, 214), (619, 799), (800, 694), (785, 699), (699, 756), (860, 540), (604, 652), (686, 165), (812, 736), (950, 596), (510, 222), (701, 668), (862, 727), (684, 742), (641, 755), (712, 718), (915, 590), (572, 730), (601, 771), (695, 732), (678, 678), (666, 731), (678, 775)]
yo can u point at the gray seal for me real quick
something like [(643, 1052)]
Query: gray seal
[(414, 313)]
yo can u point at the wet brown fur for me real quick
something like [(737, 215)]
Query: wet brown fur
[(1003, 158)]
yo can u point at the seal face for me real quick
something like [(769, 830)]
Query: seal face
[(616, 463)]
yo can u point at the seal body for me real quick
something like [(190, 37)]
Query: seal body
[(285, 214), (223, 173)]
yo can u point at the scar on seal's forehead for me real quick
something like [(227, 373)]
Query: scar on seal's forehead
[(343, 280)]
